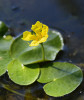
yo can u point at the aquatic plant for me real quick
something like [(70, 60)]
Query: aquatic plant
[(30, 57)]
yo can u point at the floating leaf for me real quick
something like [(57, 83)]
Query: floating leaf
[(22, 75), (4, 53), (27, 55), (61, 78), (3, 28)]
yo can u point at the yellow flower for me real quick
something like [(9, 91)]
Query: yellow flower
[(39, 34)]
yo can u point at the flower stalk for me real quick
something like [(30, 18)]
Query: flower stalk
[(43, 52)]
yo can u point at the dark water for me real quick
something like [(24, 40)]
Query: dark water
[(67, 16)]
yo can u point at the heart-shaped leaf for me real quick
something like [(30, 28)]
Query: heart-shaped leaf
[(5, 43), (27, 55), (22, 75), (61, 78)]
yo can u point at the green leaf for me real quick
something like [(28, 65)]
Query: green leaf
[(22, 75), (5, 58), (27, 55), (3, 28), (61, 78)]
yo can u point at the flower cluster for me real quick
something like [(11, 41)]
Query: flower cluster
[(39, 34)]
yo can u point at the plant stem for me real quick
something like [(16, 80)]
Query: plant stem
[(43, 52)]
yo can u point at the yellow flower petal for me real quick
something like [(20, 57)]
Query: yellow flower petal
[(44, 30), (40, 36), (36, 26), (27, 36), (43, 39), (34, 43)]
